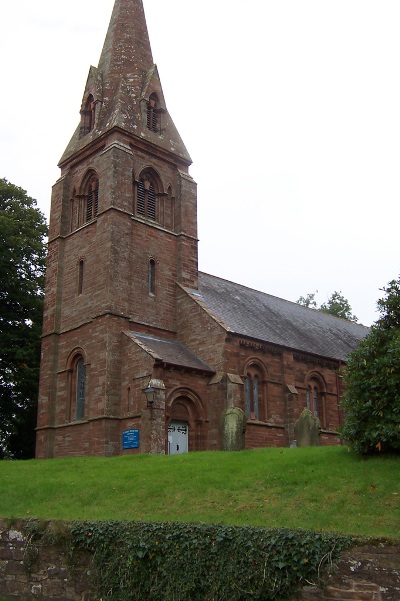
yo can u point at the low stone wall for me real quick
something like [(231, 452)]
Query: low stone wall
[(365, 573), (46, 573)]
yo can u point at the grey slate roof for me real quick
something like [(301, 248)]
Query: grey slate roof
[(169, 351), (267, 318)]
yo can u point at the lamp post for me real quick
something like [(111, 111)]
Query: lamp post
[(150, 393)]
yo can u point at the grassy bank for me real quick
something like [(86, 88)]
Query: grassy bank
[(313, 488)]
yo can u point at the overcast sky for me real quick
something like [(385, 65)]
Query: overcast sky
[(290, 110)]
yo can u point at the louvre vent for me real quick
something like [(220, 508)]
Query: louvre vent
[(89, 206), (141, 199), (151, 203), (96, 200)]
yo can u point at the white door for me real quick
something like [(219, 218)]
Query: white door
[(178, 437)]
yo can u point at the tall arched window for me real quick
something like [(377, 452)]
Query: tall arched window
[(316, 399), (253, 393), (146, 198), (80, 389), (152, 113), (77, 388)]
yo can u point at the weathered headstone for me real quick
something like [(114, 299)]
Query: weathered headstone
[(233, 425), (307, 429)]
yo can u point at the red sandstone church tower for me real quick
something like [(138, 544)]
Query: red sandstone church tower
[(123, 233)]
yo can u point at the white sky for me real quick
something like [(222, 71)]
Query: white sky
[(290, 110)]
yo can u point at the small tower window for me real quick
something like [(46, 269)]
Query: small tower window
[(152, 276), (152, 113), (80, 276)]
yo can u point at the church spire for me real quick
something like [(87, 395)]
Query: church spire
[(127, 46), (125, 90)]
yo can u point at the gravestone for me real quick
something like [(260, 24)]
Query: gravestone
[(233, 426), (307, 429)]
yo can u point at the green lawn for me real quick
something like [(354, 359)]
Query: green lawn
[(325, 488)]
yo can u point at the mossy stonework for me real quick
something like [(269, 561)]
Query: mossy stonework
[(87, 561)]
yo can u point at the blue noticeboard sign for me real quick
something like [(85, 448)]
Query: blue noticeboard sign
[(130, 439)]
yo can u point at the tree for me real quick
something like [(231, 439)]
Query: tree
[(336, 305), (372, 382), (23, 230), (308, 301)]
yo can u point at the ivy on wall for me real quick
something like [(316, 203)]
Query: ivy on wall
[(133, 561)]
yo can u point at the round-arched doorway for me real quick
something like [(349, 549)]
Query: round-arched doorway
[(185, 425)]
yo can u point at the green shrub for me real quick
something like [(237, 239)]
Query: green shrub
[(133, 561), (372, 378)]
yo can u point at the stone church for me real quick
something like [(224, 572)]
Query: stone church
[(141, 352)]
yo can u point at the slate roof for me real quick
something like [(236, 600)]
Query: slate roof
[(267, 318), (169, 351)]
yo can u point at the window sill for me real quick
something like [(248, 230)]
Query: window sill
[(265, 424)]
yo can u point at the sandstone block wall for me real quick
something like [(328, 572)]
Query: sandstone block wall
[(27, 571)]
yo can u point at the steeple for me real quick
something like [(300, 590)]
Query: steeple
[(125, 90)]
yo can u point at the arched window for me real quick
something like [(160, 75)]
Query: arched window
[(152, 276), (87, 116), (316, 399), (77, 388), (146, 198), (253, 393), (92, 198), (152, 113), (80, 389)]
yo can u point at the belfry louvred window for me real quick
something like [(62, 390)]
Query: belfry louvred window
[(146, 199), (152, 113), (92, 201)]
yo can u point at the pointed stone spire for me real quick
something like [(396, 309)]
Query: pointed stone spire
[(127, 46), (118, 91)]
